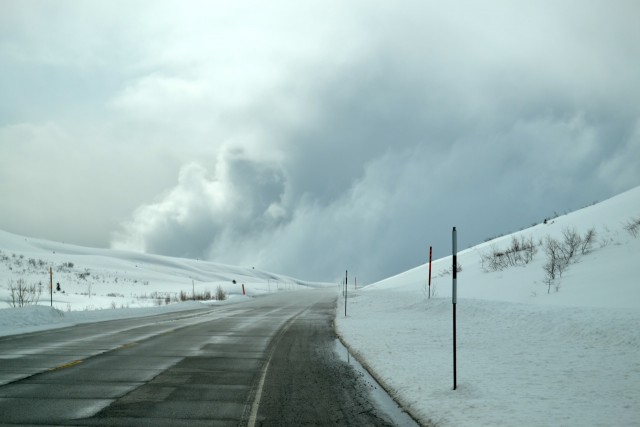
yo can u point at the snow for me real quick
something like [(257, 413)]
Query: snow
[(524, 356), (34, 318), (527, 353), (102, 284)]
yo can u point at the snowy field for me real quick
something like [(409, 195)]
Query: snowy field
[(531, 351), (101, 284)]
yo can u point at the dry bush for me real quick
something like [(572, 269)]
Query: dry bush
[(521, 251), (221, 295), (587, 241), (633, 226), (561, 253), (556, 261), (21, 294)]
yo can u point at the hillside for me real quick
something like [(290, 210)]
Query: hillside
[(530, 351), (100, 284)]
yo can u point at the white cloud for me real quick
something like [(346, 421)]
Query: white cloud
[(202, 208), (307, 136), (160, 96)]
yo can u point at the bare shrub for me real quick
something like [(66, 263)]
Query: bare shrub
[(65, 267), (202, 296), (588, 240), (221, 295), (633, 226), (556, 261), (571, 243), (448, 271), (604, 242), (21, 294), (561, 253), (520, 251)]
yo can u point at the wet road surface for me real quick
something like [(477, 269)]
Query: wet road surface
[(267, 362)]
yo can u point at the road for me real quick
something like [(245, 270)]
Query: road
[(270, 361)]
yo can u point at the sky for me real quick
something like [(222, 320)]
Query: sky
[(311, 137)]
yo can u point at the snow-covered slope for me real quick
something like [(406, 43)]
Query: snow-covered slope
[(104, 280), (530, 352), (606, 277)]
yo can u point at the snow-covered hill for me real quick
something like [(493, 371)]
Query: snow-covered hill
[(99, 284), (531, 351)]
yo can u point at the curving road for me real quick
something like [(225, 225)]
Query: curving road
[(267, 362)]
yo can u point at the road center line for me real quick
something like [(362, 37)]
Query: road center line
[(66, 365)]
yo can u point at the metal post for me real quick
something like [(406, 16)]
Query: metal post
[(51, 284), (430, 254), (454, 300), (346, 287)]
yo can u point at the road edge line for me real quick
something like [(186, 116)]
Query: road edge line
[(253, 416)]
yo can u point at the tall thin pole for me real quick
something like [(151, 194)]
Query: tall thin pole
[(454, 300), (346, 287), (430, 254), (51, 284)]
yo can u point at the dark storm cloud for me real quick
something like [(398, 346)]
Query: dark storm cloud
[(310, 138)]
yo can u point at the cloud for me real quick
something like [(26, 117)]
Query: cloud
[(156, 96), (310, 138), (239, 198)]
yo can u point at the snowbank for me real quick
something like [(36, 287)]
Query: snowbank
[(528, 354)]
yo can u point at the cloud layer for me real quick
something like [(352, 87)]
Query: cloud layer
[(311, 138)]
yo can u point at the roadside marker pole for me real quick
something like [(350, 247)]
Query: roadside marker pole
[(430, 253), (454, 300), (51, 284), (346, 287)]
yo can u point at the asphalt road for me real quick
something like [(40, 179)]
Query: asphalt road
[(268, 362)]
